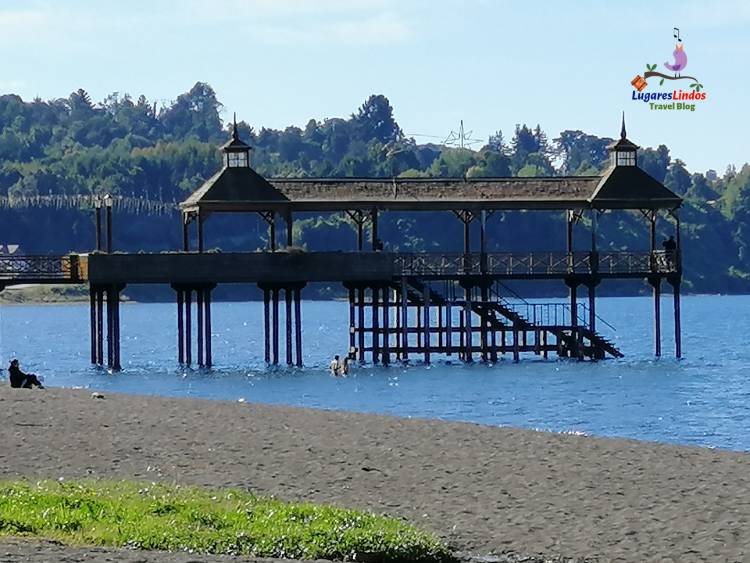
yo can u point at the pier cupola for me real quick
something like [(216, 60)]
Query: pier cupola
[(236, 151), (624, 152)]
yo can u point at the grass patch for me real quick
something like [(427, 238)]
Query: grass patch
[(228, 521)]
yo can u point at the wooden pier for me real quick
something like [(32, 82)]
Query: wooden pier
[(402, 306)]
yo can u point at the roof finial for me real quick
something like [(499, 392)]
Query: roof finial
[(235, 135), (622, 132)]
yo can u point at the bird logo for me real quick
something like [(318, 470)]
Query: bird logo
[(680, 57), (677, 67)]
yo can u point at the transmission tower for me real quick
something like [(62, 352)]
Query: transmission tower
[(461, 138)]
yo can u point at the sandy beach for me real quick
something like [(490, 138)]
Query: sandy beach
[(485, 490)]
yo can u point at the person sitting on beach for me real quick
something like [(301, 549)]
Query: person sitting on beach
[(19, 379), (335, 366)]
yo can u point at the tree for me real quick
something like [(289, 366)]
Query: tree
[(374, 120), (581, 152), (194, 114), (655, 162), (678, 178)]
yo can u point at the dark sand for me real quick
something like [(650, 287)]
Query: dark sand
[(484, 489)]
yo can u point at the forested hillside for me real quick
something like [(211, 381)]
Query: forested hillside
[(129, 146)]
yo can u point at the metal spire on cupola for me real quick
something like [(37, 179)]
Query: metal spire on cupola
[(236, 135), (623, 151)]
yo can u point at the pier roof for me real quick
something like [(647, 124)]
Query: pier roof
[(243, 190), (239, 188)]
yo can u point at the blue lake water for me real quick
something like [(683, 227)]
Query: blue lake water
[(703, 399)]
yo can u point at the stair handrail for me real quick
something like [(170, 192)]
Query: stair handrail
[(583, 320)]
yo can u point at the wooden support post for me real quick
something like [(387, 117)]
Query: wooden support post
[(361, 306), (592, 304), (110, 327), (397, 322), (275, 325), (493, 347), (461, 335), (116, 364), (467, 232), (185, 234), (404, 321), (272, 230), (482, 226), (92, 317), (360, 233), (208, 361), (419, 326), (484, 292), (374, 230), (289, 229), (386, 326), (573, 285), (375, 316), (440, 327), (675, 283), (98, 224), (298, 324), (352, 329), (651, 215), (201, 218), (545, 353), (180, 325), (200, 321), (569, 232), (467, 318), (448, 326), (188, 326), (100, 326), (266, 324), (288, 323), (427, 339), (516, 356), (108, 215), (655, 282)]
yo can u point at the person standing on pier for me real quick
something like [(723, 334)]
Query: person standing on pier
[(670, 250), (19, 379)]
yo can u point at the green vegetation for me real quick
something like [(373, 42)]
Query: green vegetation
[(45, 294), (132, 147), (174, 518)]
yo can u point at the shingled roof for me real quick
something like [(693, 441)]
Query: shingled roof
[(233, 187), (629, 187), (242, 189)]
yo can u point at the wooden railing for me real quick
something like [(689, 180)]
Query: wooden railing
[(31, 269), (538, 263), (331, 266)]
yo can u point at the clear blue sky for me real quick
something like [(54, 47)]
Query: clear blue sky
[(492, 63)]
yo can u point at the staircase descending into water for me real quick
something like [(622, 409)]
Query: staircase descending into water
[(411, 317)]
